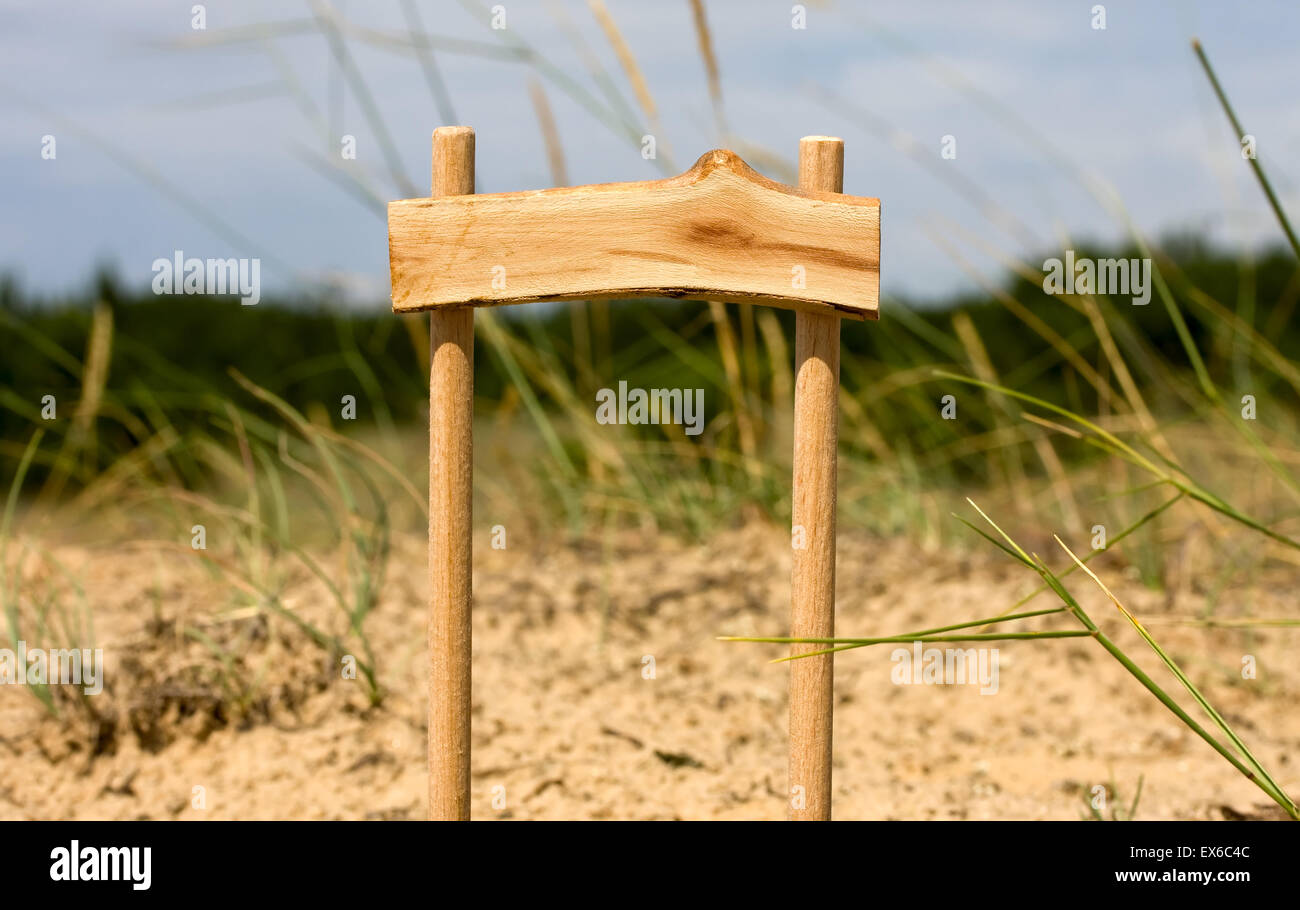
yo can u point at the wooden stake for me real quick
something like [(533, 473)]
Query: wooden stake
[(451, 489), (812, 583)]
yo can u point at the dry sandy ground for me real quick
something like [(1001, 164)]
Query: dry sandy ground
[(567, 724)]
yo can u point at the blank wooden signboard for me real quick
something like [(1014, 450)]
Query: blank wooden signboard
[(720, 231)]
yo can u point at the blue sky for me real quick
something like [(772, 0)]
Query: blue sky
[(171, 138)]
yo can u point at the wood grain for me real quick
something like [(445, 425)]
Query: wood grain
[(812, 579), (720, 231), (451, 488)]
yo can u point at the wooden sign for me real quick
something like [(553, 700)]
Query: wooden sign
[(720, 231)]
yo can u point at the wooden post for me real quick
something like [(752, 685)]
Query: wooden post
[(812, 582), (451, 489)]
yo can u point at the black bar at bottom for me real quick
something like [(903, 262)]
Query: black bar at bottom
[(609, 862)]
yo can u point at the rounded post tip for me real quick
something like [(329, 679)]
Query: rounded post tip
[(453, 161), (821, 164)]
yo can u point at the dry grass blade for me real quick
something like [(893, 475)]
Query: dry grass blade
[(627, 60), (701, 19), (550, 133)]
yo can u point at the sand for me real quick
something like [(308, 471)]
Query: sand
[(600, 693)]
